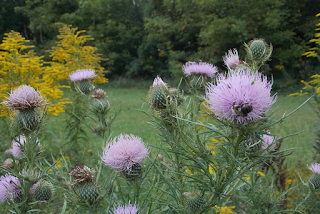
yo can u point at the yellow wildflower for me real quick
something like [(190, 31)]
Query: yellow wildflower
[(247, 177), (70, 55), (18, 67), (61, 162), (261, 173), (225, 210)]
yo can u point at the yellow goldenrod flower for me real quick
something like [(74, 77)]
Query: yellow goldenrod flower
[(247, 177), (61, 162), (225, 210)]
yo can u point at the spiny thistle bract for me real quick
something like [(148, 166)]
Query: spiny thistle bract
[(83, 180), (194, 201), (101, 106), (159, 94), (83, 77), (88, 192), (28, 120), (258, 48), (85, 86), (26, 100), (314, 181), (43, 191)]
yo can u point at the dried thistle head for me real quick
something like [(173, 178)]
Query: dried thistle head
[(81, 174), (8, 163), (98, 93)]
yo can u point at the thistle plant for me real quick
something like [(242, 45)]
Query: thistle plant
[(199, 71), (205, 173), (231, 59), (314, 181), (258, 52), (126, 154), (20, 66)]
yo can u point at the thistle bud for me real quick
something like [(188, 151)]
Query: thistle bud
[(258, 48), (159, 94), (101, 106), (88, 192), (44, 191), (85, 86), (28, 120), (194, 201), (314, 181)]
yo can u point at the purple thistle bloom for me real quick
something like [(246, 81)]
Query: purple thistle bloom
[(16, 149), (9, 185), (241, 89), (267, 141), (231, 59), (200, 68), (24, 97), (157, 82), (16, 145), (126, 209), (124, 152), (83, 74), (315, 168), (34, 187)]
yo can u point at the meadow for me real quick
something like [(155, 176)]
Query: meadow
[(132, 119)]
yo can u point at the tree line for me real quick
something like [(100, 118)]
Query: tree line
[(145, 38)]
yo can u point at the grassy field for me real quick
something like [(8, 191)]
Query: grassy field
[(133, 120)]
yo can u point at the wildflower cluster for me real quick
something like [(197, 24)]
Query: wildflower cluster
[(211, 158)]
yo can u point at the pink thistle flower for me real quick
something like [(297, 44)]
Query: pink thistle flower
[(240, 96), (9, 185), (31, 175), (200, 68), (231, 59), (83, 74), (24, 97), (124, 152), (267, 141), (16, 145), (315, 168), (126, 209), (157, 82)]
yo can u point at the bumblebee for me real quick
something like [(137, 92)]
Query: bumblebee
[(241, 110)]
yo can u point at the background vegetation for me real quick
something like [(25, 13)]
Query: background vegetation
[(148, 38)]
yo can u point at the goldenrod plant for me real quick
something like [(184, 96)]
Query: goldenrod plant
[(19, 65), (312, 86)]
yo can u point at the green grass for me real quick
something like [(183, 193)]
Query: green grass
[(133, 120), (304, 119)]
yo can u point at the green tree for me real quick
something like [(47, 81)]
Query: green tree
[(42, 14), (117, 28)]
